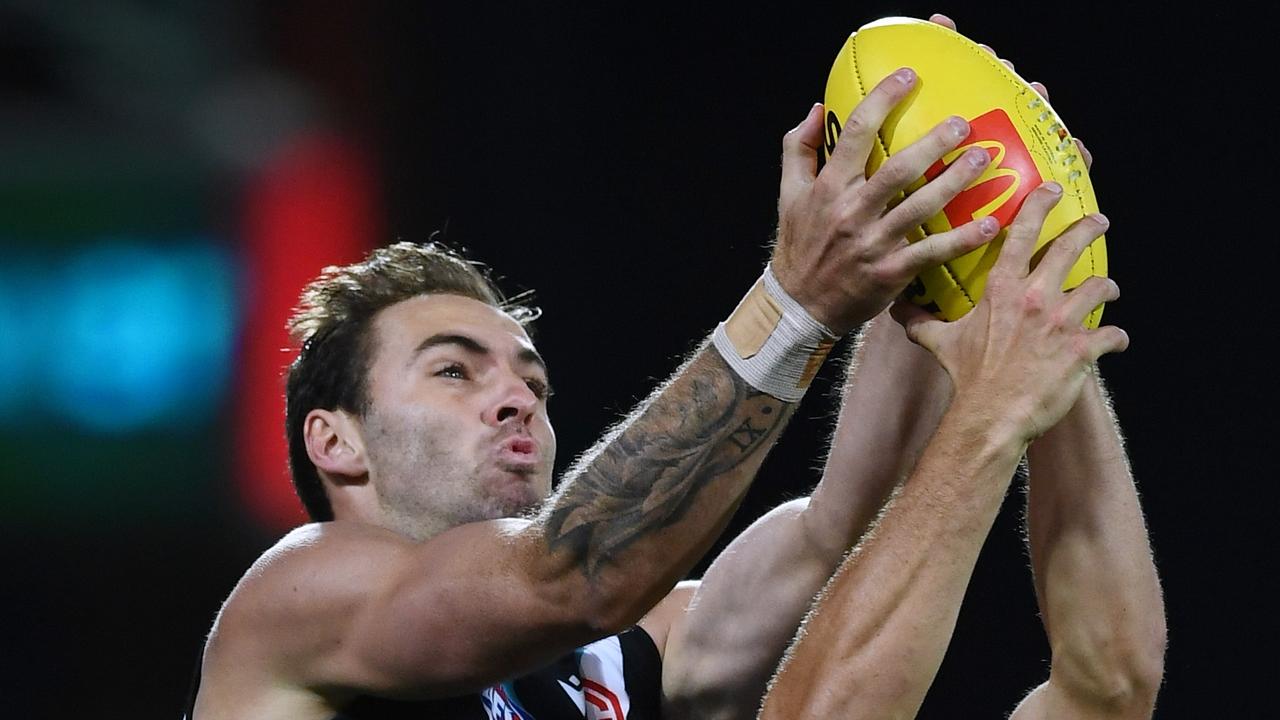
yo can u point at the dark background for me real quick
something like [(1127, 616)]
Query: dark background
[(622, 160)]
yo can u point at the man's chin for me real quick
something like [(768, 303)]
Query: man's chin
[(513, 500)]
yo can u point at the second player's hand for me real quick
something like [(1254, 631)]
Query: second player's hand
[(1022, 354), (840, 250)]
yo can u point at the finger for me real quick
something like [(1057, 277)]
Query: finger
[(800, 148), (1105, 340), (1088, 295), (1040, 89), (1015, 254), (930, 199), (921, 326), (908, 164), (943, 20), (1085, 154), (934, 250), (988, 49), (849, 160), (1065, 249)]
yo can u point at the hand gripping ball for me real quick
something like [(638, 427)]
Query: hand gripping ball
[(1028, 143)]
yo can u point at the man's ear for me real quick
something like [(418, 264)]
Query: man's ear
[(334, 443)]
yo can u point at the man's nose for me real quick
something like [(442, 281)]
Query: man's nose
[(514, 401)]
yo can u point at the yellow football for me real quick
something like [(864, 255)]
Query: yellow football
[(1027, 141)]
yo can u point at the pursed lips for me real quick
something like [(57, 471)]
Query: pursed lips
[(519, 453)]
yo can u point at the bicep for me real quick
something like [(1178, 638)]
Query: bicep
[(721, 652), (369, 613), (668, 614)]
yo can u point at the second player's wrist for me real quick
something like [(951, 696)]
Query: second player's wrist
[(997, 427)]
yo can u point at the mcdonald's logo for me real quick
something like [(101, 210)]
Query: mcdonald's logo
[(1010, 177)]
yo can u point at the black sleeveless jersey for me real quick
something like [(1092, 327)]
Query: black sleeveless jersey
[(611, 679)]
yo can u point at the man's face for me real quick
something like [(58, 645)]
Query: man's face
[(457, 429)]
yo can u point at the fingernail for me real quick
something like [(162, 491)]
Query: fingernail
[(977, 157), (958, 126), (1101, 220), (989, 225), (1053, 187)]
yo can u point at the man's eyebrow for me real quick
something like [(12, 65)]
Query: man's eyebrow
[(531, 356), (471, 345)]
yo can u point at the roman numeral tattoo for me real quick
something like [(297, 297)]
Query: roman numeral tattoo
[(647, 472)]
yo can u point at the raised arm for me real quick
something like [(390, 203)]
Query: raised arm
[(1095, 580), (720, 654), (1017, 361)]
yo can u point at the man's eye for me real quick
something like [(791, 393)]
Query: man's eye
[(454, 371), (541, 390)]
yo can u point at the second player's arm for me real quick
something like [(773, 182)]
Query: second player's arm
[(1095, 579), (881, 628), (1017, 362)]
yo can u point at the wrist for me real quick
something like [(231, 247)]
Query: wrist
[(772, 342), (995, 432)]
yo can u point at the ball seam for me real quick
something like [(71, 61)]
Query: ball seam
[(1011, 77)]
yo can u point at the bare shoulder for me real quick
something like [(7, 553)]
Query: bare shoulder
[(326, 561), (299, 594), (659, 621)]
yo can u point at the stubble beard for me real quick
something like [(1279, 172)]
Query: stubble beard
[(425, 483)]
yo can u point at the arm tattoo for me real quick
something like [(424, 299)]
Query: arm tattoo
[(646, 473)]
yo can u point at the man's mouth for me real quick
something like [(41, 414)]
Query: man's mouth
[(519, 453), (521, 445)]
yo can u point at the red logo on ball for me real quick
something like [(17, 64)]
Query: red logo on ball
[(1010, 177)]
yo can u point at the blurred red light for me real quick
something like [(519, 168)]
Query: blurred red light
[(312, 205)]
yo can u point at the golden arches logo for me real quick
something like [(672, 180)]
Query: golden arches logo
[(1010, 177)]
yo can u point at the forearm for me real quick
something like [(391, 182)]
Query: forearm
[(1095, 579), (878, 634), (894, 397), (723, 650), (641, 507)]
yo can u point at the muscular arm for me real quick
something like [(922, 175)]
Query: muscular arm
[(722, 651), (341, 610), (1095, 579), (877, 635)]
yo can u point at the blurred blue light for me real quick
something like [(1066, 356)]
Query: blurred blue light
[(130, 335), (13, 353)]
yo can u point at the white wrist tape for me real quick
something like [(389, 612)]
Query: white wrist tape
[(772, 342)]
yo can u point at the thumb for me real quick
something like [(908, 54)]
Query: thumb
[(922, 327)]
